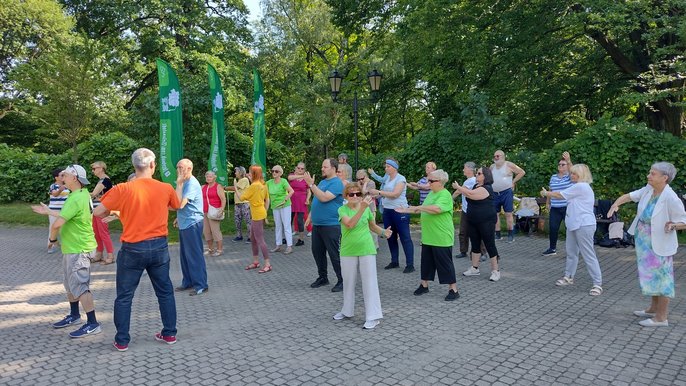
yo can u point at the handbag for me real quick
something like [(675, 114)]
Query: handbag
[(212, 212)]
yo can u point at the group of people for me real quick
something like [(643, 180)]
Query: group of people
[(342, 219)]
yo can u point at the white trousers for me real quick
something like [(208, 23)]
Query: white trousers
[(370, 286), (282, 220), (580, 241)]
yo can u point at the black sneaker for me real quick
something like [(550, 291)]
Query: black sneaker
[(421, 290), (237, 238), (338, 287), (408, 269), (549, 252), (391, 266), (299, 243), (247, 240), (461, 256), (452, 295), (319, 282)]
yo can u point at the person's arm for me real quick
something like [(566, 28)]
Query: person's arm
[(567, 157), (374, 175), (58, 191), (479, 193), (397, 191), (289, 193), (322, 196), (54, 231), (383, 233), (351, 222), (222, 196), (413, 185), (179, 193), (101, 211), (309, 197), (98, 188), (43, 209), (618, 202), (517, 171)]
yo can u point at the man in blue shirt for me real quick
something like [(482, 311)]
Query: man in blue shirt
[(326, 230), (189, 220)]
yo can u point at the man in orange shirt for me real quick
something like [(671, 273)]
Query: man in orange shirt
[(143, 210)]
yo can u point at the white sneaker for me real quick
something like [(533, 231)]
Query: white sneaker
[(309, 234), (644, 314), (339, 316), (652, 323), (472, 272), (495, 276), (369, 324)]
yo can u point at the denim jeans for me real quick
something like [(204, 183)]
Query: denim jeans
[(191, 257), (151, 255), (556, 217), (400, 225)]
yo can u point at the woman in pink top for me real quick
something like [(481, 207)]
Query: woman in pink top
[(212, 194), (299, 201)]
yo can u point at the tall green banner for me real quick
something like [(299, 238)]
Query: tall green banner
[(171, 125), (217, 161), (259, 148)]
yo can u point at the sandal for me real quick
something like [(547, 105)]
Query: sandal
[(596, 290), (564, 281), (252, 266), (107, 261), (267, 268), (217, 252)]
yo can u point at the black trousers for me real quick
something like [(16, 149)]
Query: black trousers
[(483, 230), (438, 259), (298, 218), (327, 239)]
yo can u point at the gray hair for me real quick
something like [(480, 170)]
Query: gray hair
[(362, 173), (343, 156), (441, 174), (666, 168), (141, 158), (470, 165), (240, 170)]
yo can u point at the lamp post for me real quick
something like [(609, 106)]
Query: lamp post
[(336, 79)]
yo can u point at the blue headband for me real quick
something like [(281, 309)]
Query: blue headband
[(392, 163)]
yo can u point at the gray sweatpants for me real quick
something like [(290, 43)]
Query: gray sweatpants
[(580, 241)]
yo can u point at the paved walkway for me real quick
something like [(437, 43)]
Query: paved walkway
[(274, 329)]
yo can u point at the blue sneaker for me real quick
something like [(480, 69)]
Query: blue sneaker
[(85, 330), (68, 320)]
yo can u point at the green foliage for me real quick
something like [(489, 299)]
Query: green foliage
[(114, 149)]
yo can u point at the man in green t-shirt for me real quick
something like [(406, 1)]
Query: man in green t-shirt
[(74, 224)]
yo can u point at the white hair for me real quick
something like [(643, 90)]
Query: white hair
[(141, 158), (441, 174), (666, 168)]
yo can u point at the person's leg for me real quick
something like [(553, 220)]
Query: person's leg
[(497, 202), (207, 231), (319, 251), (370, 287), (475, 240), (554, 221), (237, 220), (463, 235), (300, 225), (106, 238), (443, 260), (246, 216), (197, 268), (131, 260), (332, 241), (258, 233), (349, 272), (285, 217), (389, 221), (253, 242), (488, 237), (216, 231), (572, 250), (278, 228), (96, 232), (427, 269), (508, 207), (403, 221), (158, 272), (585, 243), (185, 252), (661, 309)]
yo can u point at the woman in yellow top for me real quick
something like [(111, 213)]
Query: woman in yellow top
[(258, 197)]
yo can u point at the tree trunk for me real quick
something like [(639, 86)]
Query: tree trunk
[(662, 116)]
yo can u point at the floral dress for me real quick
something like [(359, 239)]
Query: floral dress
[(655, 272)]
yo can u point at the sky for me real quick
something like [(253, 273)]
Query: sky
[(254, 7)]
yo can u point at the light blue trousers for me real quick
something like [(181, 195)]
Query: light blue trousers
[(580, 241)]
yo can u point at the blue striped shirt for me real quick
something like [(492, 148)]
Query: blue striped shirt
[(57, 202), (558, 184)]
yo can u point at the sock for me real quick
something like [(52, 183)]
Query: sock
[(510, 233), (497, 234), (475, 267), (91, 317), (74, 308)]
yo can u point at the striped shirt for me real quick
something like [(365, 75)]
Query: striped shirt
[(558, 184), (423, 192), (57, 202)]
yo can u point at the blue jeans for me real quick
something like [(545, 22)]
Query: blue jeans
[(192, 260), (400, 225), (151, 255), (556, 217)]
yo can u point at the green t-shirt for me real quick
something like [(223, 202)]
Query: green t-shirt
[(277, 193), (358, 240), (438, 229), (77, 232)]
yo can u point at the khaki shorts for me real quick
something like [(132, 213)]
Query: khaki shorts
[(77, 272)]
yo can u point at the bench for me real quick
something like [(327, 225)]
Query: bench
[(533, 221)]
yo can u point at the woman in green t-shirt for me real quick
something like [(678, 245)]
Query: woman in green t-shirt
[(358, 250), (438, 235), (280, 193)]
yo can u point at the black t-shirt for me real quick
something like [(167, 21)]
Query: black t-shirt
[(481, 210)]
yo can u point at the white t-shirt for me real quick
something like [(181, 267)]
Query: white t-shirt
[(389, 186), (502, 177), (469, 184), (580, 200)]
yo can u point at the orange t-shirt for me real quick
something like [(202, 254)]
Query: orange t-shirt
[(143, 206)]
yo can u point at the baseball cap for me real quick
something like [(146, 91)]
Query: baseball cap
[(79, 172)]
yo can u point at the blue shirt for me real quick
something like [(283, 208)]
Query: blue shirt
[(192, 212), (326, 213), (558, 184), (423, 192), (389, 186)]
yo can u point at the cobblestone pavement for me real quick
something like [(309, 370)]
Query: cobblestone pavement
[(274, 329)]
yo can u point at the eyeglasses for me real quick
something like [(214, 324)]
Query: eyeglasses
[(562, 164), (299, 168), (496, 156), (361, 179), (355, 194), (432, 181), (275, 171)]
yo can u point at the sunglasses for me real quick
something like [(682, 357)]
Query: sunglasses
[(361, 179), (479, 174), (355, 194), (432, 181)]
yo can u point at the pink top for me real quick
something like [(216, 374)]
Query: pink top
[(212, 196), (299, 196)]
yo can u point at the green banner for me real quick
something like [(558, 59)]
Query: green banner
[(217, 161), (259, 148), (171, 125)]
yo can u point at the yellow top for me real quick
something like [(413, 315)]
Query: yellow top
[(241, 185), (256, 194)]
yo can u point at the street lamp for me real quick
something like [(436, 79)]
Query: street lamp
[(336, 80)]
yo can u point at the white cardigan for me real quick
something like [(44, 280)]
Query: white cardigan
[(667, 208)]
